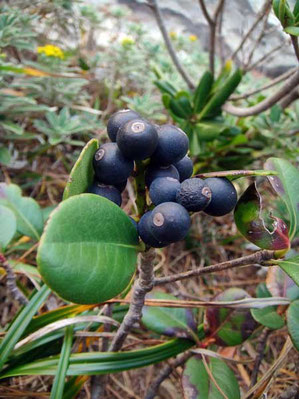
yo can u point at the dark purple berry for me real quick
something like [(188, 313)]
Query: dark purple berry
[(118, 119), (164, 189), (194, 195), (224, 196), (109, 192), (185, 168), (145, 234), (154, 172), (172, 145), (110, 166), (169, 222)]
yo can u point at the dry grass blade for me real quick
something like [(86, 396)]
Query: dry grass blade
[(257, 390), (207, 352), (247, 303), (63, 323), (205, 363)]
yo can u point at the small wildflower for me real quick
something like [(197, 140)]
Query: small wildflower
[(192, 38), (127, 41), (51, 51), (173, 35)]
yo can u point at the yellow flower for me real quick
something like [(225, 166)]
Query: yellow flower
[(51, 51), (173, 35), (192, 38), (127, 41)]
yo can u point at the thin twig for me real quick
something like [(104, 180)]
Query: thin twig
[(267, 103), (262, 34), (165, 373), (289, 99), (257, 257), (264, 57), (212, 21), (266, 6), (158, 15), (141, 287), (260, 354), (274, 82), (11, 282)]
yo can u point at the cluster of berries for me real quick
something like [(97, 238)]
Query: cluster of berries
[(167, 176)]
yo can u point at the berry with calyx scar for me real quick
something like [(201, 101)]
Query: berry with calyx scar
[(169, 222), (144, 231), (110, 166), (118, 119), (224, 196), (109, 192), (194, 195), (185, 168), (154, 172), (172, 145), (164, 189), (137, 139)]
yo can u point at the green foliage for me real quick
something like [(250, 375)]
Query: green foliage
[(82, 173), (288, 19), (197, 383), (249, 222), (291, 267), (293, 323), (92, 363), (172, 322), (286, 186), (268, 316), (87, 253), (229, 327), (20, 323), (8, 224), (26, 210)]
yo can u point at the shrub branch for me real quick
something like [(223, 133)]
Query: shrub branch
[(268, 102), (158, 15), (165, 373), (142, 286), (11, 282), (257, 257)]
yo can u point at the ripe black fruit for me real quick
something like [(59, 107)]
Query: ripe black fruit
[(154, 172), (164, 189), (137, 139), (108, 192), (169, 222), (145, 233), (185, 168), (118, 119), (172, 145), (194, 195), (110, 166), (224, 196)]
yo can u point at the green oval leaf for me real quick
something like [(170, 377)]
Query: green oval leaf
[(8, 225), (197, 383), (221, 95), (293, 323), (229, 327), (286, 186), (82, 174), (26, 210), (291, 267), (202, 91), (268, 316), (181, 107), (251, 225), (173, 322), (88, 251), (292, 30)]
